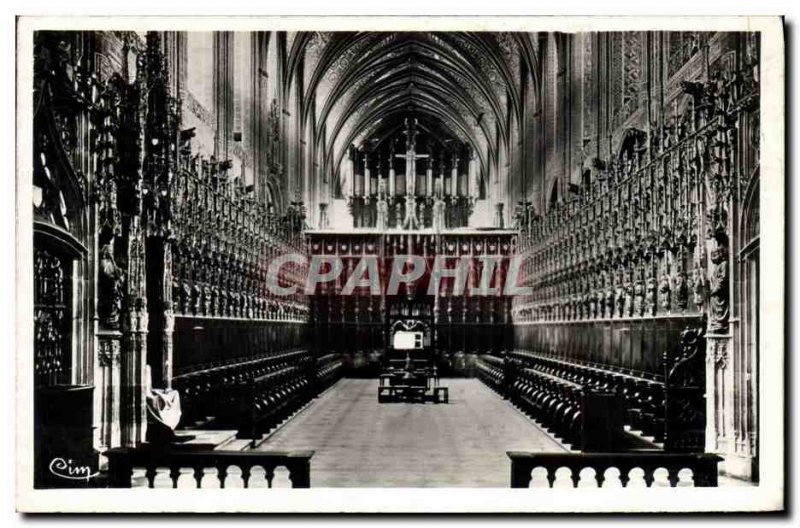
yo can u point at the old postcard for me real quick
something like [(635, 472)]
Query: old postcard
[(400, 264)]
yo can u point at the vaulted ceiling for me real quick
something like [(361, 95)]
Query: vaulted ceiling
[(357, 87)]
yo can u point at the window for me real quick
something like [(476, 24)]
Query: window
[(242, 83), (200, 67)]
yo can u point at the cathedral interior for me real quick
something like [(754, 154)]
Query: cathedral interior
[(171, 170)]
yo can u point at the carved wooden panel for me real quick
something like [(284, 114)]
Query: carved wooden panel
[(52, 296)]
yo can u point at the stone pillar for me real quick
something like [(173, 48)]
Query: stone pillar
[(133, 423), (429, 179), (719, 395), (109, 388), (720, 390), (133, 419), (392, 182), (453, 177), (349, 174), (411, 172)]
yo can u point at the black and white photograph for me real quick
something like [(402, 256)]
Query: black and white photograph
[(279, 258)]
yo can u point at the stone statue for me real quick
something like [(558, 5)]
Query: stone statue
[(628, 301), (438, 214), (206, 300), (650, 297), (196, 299), (718, 291), (214, 300), (186, 297), (224, 306), (382, 208), (619, 300), (638, 297), (698, 287), (609, 305), (664, 292), (248, 306), (233, 303), (410, 221), (176, 295), (110, 283), (583, 301), (679, 288)]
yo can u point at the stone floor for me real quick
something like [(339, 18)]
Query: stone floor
[(361, 443)]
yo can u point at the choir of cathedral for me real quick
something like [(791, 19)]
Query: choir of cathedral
[(172, 168)]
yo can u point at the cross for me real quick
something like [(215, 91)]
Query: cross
[(411, 157)]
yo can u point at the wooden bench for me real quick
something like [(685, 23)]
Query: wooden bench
[(261, 404), (642, 395), (584, 417), (652, 403), (256, 395), (203, 388)]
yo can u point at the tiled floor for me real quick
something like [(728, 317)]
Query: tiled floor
[(361, 443)]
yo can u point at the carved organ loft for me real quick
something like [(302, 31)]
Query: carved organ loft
[(171, 168)]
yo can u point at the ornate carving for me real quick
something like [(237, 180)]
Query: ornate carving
[(108, 352), (685, 386), (680, 290), (51, 319), (644, 213), (719, 291), (718, 353), (110, 283), (221, 241)]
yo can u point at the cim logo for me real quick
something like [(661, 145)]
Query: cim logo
[(67, 469)]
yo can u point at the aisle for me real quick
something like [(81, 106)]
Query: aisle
[(361, 443)]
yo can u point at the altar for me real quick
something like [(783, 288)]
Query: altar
[(410, 372)]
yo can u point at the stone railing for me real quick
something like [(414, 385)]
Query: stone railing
[(703, 466), (122, 463)]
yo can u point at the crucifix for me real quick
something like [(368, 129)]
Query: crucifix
[(411, 156)]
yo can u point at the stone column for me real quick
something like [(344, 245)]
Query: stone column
[(133, 422), (392, 182), (719, 395), (452, 191), (349, 174), (109, 389), (441, 188), (429, 178), (367, 176)]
